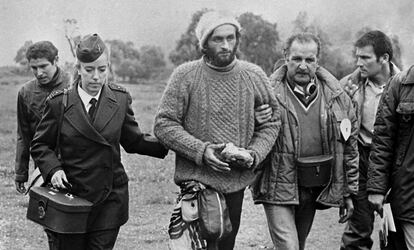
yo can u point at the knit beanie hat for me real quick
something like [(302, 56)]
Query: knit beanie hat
[(211, 20)]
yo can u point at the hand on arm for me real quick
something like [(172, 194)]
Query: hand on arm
[(262, 114)]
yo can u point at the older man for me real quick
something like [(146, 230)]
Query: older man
[(210, 102), (314, 163), (42, 57)]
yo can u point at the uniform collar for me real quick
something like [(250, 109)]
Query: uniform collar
[(85, 97)]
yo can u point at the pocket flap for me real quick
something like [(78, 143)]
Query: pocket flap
[(312, 161), (189, 197), (405, 108)]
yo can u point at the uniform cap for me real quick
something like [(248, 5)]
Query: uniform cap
[(90, 48)]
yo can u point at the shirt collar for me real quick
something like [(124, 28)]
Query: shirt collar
[(372, 85), (85, 97)]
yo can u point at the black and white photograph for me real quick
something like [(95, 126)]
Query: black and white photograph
[(207, 125)]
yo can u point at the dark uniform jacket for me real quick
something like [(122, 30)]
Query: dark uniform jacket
[(30, 103), (277, 181), (91, 150), (392, 155)]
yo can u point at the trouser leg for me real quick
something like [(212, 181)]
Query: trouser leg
[(59, 241), (102, 240), (408, 229), (396, 239), (282, 227), (305, 213), (97, 240), (234, 202), (357, 233)]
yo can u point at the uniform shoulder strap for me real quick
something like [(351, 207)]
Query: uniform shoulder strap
[(62, 111), (116, 87)]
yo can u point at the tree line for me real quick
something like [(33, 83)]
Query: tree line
[(260, 44)]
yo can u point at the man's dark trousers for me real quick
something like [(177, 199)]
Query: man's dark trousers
[(357, 233), (234, 203)]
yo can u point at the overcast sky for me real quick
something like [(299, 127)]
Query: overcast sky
[(161, 22)]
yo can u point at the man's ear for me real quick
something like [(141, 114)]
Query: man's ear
[(286, 55), (385, 58), (55, 60)]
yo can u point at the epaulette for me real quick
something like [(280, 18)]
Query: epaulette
[(55, 93), (113, 86)]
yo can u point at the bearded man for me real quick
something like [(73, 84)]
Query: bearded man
[(210, 102)]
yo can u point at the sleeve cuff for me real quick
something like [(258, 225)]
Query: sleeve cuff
[(21, 178), (51, 173), (200, 155)]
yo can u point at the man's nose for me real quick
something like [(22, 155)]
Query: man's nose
[(39, 72), (302, 65), (225, 45), (359, 62)]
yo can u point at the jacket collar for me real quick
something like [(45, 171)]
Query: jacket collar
[(77, 117), (329, 83), (59, 77), (410, 76)]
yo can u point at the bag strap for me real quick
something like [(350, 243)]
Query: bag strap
[(62, 111)]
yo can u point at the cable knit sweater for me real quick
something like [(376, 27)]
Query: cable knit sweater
[(201, 105)]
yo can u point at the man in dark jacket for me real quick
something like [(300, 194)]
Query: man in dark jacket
[(314, 162), (391, 163), (365, 85), (42, 58), (97, 119)]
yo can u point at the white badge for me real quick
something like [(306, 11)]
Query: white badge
[(345, 127)]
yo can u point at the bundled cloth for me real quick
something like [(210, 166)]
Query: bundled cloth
[(184, 230)]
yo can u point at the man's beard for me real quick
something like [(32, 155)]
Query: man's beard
[(216, 60)]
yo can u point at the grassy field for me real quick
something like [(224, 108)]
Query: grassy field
[(152, 192)]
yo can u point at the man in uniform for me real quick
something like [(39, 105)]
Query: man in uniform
[(42, 58), (97, 119), (210, 102)]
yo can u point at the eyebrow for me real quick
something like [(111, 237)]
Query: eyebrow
[(39, 65)]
